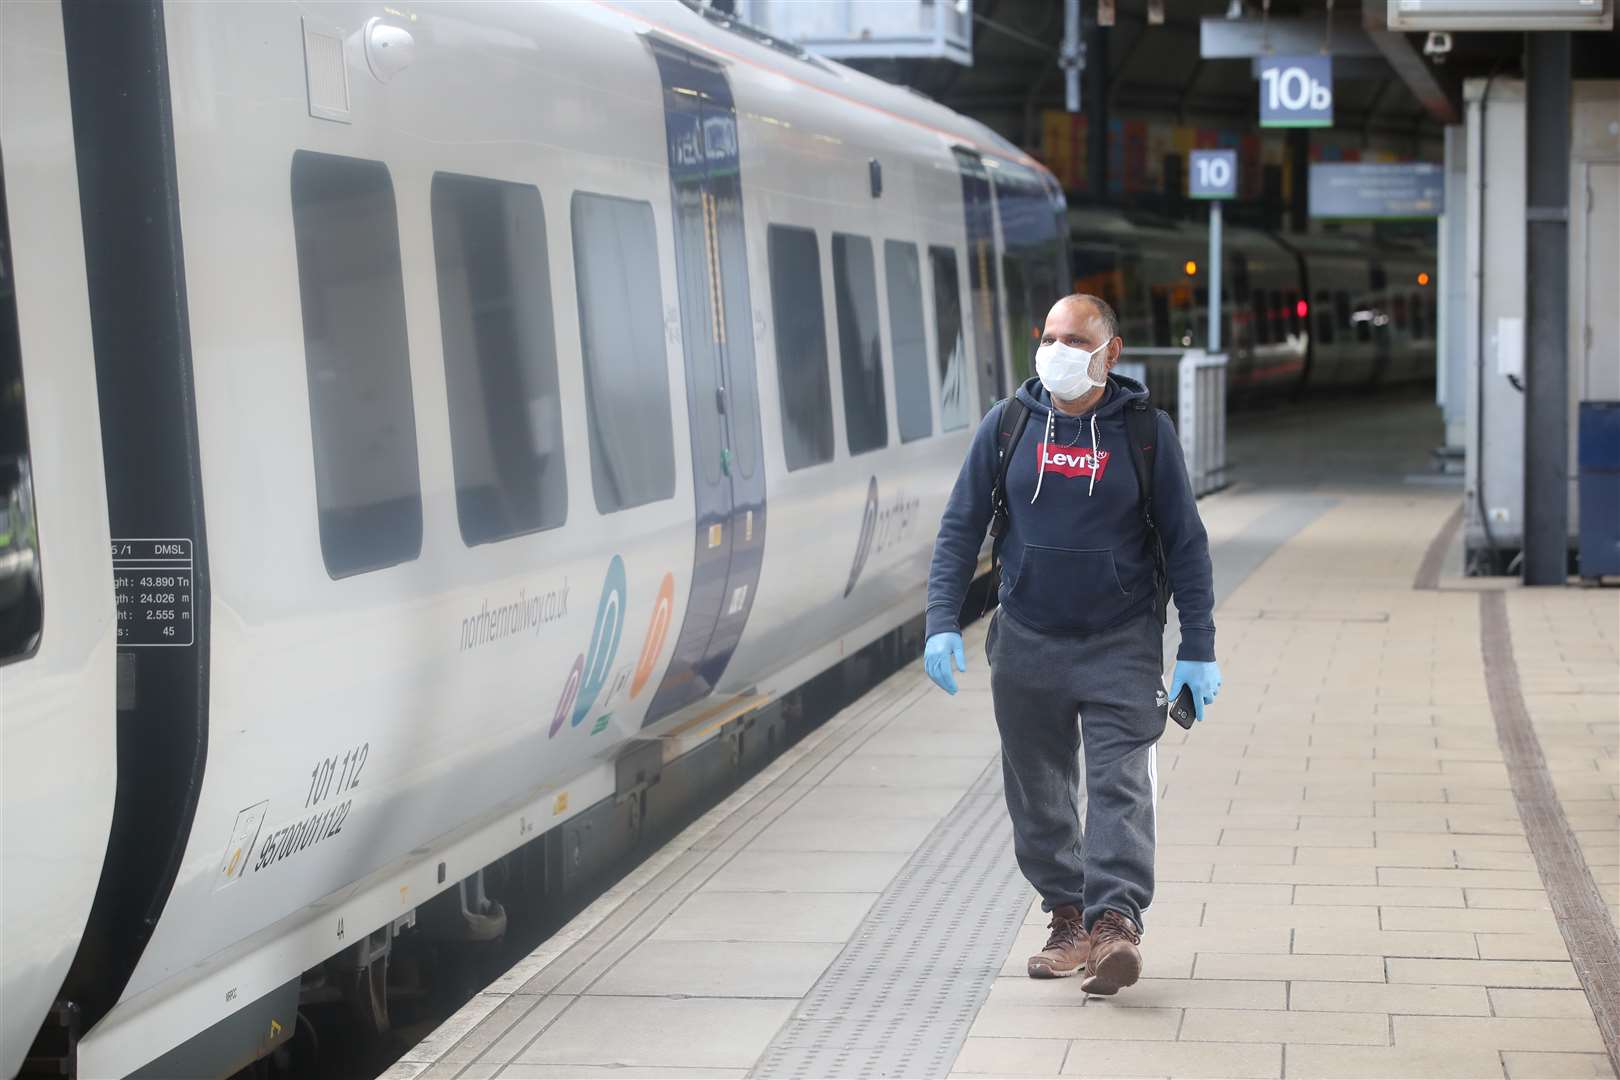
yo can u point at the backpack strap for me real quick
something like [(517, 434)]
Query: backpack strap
[(1009, 429), (1141, 429)]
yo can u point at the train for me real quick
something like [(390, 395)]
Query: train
[(1300, 313), (431, 435)]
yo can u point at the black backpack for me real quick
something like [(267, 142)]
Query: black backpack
[(1141, 426)]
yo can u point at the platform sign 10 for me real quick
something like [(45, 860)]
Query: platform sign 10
[(1296, 91), (1213, 174)]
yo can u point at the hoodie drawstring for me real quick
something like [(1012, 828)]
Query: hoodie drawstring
[(1093, 485), (1041, 473)]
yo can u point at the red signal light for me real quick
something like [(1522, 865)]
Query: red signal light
[(1302, 309)]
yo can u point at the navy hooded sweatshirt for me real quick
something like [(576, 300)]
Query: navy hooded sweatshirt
[(1076, 558)]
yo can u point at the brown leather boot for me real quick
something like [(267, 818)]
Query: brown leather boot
[(1066, 949), (1115, 960)]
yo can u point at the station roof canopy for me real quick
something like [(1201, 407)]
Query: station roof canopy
[(1383, 81)]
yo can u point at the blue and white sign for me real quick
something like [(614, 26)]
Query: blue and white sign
[(1213, 174), (1354, 189), (1296, 91)]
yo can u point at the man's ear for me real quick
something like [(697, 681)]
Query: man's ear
[(1115, 347)]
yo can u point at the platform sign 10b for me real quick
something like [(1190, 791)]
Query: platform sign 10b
[(1213, 174), (1296, 91)]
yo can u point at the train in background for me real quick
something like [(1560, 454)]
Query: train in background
[(1320, 311), (434, 440)]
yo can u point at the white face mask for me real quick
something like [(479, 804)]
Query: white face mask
[(1067, 372)]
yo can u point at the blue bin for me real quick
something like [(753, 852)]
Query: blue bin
[(1598, 462)]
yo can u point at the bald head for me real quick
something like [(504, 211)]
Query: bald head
[(1083, 321)]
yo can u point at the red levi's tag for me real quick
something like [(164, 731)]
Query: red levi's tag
[(1074, 460)]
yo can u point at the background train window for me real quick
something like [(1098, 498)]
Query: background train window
[(1020, 346), (951, 358), (1415, 307), (1290, 313), (801, 346), (1362, 317), (358, 363), (860, 350), (621, 329), (912, 402), (500, 357), (1262, 317), (1324, 317), (21, 587), (1398, 304), (1159, 302), (1341, 310)]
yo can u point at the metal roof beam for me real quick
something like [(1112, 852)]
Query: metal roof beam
[(1438, 99), (1240, 39)]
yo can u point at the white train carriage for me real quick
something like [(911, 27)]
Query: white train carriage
[(58, 737), (488, 391)]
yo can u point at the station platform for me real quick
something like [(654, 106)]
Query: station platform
[(1390, 850)]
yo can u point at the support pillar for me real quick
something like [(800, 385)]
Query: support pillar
[(1546, 383), (1299, 194), (1096, 99)]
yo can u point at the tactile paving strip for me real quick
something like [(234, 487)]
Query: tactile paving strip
[(1583, 916), (900, 998)]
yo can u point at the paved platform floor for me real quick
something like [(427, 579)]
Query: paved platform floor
[(1347, 886)]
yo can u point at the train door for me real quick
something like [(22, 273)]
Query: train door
[(717, 329), (983, 294)]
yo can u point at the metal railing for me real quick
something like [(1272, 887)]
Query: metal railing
[(1201, 418), (1190, 385)]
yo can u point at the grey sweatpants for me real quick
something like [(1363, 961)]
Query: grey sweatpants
[(1049, 692)]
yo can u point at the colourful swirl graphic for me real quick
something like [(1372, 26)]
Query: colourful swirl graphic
[(657, 629), (570, 692), (604, 641)]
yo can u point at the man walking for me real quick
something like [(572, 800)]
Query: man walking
[(1076, 649)]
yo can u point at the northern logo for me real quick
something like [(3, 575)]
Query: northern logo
[(593, 670), (1074, 460), (863, 546)]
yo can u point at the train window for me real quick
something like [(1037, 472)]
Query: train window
[(1262, 320), (1160, 303), (362, 418), (801, 346), (1324, 317), (500, 357), (1414, 304), (22, 608), (1398, 304), (1341, 310), (1290, 315), (621, 330), (860, 350), (951, 350), (1021, 346), (912, 400), (1362, 318)]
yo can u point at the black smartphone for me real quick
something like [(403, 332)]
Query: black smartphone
[(1182, 710)]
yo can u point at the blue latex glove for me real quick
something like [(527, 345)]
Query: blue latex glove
[(937, 656), (1204, 676)]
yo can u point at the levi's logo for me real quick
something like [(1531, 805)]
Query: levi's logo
[(1073, 460)]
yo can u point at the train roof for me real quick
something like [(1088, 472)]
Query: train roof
[(731, 39)]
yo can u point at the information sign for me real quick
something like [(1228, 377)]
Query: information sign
[(1368, 190), (1213, 174), (1296, 91)]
